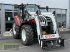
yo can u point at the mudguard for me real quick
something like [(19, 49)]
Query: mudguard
[(18, 20)]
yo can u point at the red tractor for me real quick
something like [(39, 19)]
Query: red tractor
[(32, 23)]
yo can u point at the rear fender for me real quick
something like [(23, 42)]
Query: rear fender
[(18, 20)]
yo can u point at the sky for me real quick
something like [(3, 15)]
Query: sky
[(50, 3)]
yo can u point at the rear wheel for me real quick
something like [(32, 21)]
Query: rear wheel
[(15, 31), (26, 35)]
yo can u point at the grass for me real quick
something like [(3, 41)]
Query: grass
[(8, 45)]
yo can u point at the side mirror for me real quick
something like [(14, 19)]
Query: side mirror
[(54, 12), (26, 11), (47, 8), (38, 6)]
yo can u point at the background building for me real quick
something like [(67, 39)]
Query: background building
[(6, 14), (62, 8)]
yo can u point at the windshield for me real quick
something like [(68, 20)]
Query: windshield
[(43, 10), (31, 8)]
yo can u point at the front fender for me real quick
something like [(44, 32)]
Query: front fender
[(18, 20)]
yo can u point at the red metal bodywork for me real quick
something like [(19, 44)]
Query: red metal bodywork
[(18, 20)]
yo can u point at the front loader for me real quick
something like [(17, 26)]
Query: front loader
[(49, 33), (31, 22)]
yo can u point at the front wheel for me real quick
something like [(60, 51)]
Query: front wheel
[(43, 46), (61, 42), (26, 35), (16, 31)]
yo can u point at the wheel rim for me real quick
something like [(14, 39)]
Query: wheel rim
[(14, 31), (23, 35), (39, 42), (39, 39)]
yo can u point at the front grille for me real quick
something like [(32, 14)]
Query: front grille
[(43, 20)]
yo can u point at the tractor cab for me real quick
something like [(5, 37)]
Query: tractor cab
[(26, 12), (26, 9)]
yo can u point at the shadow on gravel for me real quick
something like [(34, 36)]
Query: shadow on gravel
[(53, 48), (35, 42)]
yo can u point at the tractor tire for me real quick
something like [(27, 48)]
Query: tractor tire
[(61, 42), (26, 35), (15, 31), (42, 45)]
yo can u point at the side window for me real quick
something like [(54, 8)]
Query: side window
[(15, 13)]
